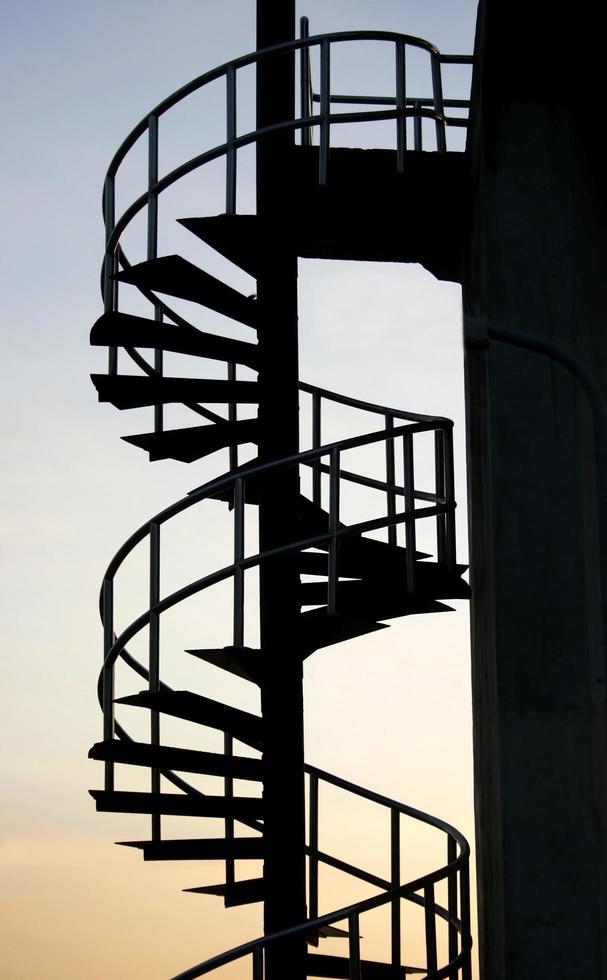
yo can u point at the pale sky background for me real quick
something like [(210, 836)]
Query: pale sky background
[(393, 714)]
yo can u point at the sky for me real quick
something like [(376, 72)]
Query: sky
[(392, 714)]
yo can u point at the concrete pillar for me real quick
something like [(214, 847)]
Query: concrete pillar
[(536, 264)]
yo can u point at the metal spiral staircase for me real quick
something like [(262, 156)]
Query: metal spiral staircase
[(352, 582)]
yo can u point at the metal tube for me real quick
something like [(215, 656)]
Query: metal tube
[(109, 263), (430, 922), (325, 109), (313, 848), (395, 931), (417, 127), (354, 946), (450, 539), (401, 102), (228, 788), (305, 93), (452, 906), (439, 485), (232, 416), (464, 885), (230, 137), (439, 108), (257, 957), (333, 527), (316, 441), (154, 668), (410, 531), (152, 243), (108, 676), (390, 481), (238, 569)]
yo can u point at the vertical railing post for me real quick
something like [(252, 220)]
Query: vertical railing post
[(232, 416), (238, 569), (316, 441), (110, 285), (313, 849), (439, 487), (410, 530), (395, 931), (305, 82), (439, 108), (154, 660), (464, 885), (325, 110), (107, 601), (417, 127), (430, 929), (230, 138), (390, 480), (257, 956), (450, 537), (401, 106), (354, 946), (152, 243), (452, 906), (334, 478), (228, 788)]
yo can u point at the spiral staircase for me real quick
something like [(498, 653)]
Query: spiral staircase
[(348, 582)]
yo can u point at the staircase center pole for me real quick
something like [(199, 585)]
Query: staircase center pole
[(282, 690)]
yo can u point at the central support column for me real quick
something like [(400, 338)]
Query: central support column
[(282, 692)]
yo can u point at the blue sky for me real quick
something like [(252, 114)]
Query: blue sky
[(79, 76)]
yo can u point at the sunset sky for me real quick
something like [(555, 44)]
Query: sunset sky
[(391, 713)]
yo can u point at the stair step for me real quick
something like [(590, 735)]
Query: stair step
[(372, 606), (178, 804), (203, 711), (241, 661), (235, 893), (196, 441), (175, 276), (318, 629), (236, 236), (323, 965), (128, 391), (430, 583), (201, 849), (183, 760), (116, 329)]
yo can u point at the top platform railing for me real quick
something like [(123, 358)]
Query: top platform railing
[(399, 106)]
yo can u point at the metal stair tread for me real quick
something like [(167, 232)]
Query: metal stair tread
[(325, 965), (242, 661), (171, 757), (244, 892), (135, 391), (194, 442), (116, 329), (200, 849), (240, 724), (175, 276), (179, 804)]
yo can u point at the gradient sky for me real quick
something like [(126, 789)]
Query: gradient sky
[(393, 715)]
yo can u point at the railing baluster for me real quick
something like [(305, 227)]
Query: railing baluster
[(464, 885), (439, 107), (334, 478), (257, 957), (154, 678), (395, 881), (228, 788), (439, 486), (152, 243), (325, 110), (108, 676), (410, 530), (305, 98), (238, 569), (354, 946), (450, 537), (110, 285), (430, 922), (452, 906), (390, 480), (232, 417), (316, 441), (417, 127), (230, 138), (313, 848), (401, 105)]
